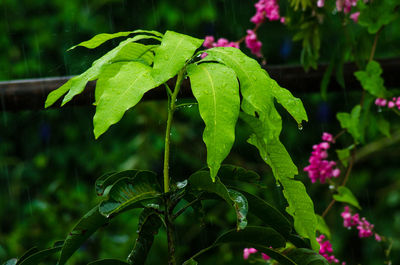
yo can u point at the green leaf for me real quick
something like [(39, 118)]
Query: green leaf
[(343, 155), (27, 254), (253, 236), (109, 179), (77, 84), (303, 256), (89, 224), (371, 79), (351, 122), (201, 181), (383, 126), (121, 92), (345, 195), (301, 208), (172, 54), (190, 262), (127, 191), (108, 262), (235, 176), (268, 214), (322, 227), (377, 14), (39, 256), (149, 223), (216, 89)]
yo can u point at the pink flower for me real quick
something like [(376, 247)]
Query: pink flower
[(248, 251), (208, 41), (320, 168), (325, 249), (321, 3), (355, 16), (253, 43), (265, 256), (365, 228), (266, 9)]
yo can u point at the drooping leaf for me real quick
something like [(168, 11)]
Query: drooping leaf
[(39, 256), (121, 92), (371, 79), (301, 207), (127, 191), (201, 181), (108, 262), (110, 178), (172, 54), (77, 84), (304, 256), (377, 14), (89, 224), (322, 227), (99, 39), (216, 89), (261, 238), (351, 122), (149, 223), (345, 195)]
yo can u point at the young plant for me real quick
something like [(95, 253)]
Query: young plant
[(227, 85)]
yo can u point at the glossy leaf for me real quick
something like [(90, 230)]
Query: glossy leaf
[(108, 262), (128, 191), (268, 214), (11, 262), (258, 237), (77, 84), (149, 223), (351, 122), (216, 89), (345, 195), (89, 224), (322, 227), (371, 79), (121, 92), (172, 54), (303, 256), (39, 256), (109, 179), (201, 181), (301, 207)]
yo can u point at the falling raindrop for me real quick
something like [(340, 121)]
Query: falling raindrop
[(379, 109)]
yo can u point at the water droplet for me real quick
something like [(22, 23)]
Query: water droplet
[(331, 187), (300, 126), (190, 106), (379, 109)]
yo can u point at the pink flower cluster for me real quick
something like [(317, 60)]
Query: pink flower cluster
[(363, 226), (395, 102), (325, 250), (320, 168), (209, 42), (253, 43), (266, 9), (248, 251)]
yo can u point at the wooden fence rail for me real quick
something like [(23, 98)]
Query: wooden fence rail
[(30, 94)]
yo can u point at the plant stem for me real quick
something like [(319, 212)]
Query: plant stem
[(171, 110), (168, 205)]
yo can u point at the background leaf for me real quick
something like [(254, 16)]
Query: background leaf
[(371, 79), (303, 256), (351, 122), (217, 91), (345, 195), (322, 227)]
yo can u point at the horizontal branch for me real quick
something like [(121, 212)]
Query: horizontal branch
[(31, 93)]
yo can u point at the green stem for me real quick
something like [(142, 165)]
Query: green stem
[(171, 110), (168, 204)]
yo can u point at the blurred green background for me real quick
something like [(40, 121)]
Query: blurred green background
[(49, 159)]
